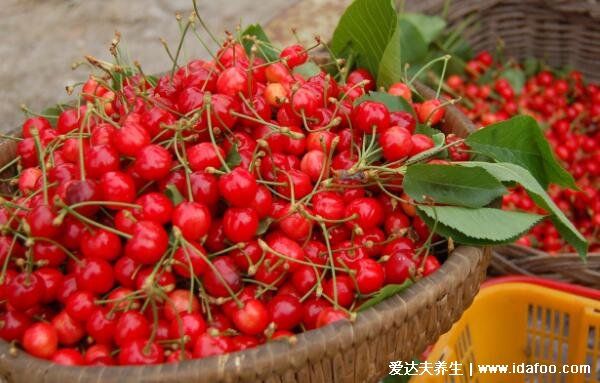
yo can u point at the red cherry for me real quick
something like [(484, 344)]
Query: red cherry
[(312, 310), (208, 345), (330, 315), (397, 224), (369, 115), (249, 255), (233, 81), (84, 191), (189, 325), (95, 275), (99, 160), (205, 188), (68, 357), (130, 139), (140, 352), (13, 325), (52, 280), (39, 123), (396, 143), (345, 290), (125, 269), (40, 220), (431, 112), (69, 120), (283, 246), (299, 182), (80, 305), (25, 290), (398, 268), (40, 340), (179, 302), (361, 75), (52, 255), (420, 143), (153, 162), (131, 325), (101, 325), (262, 202), (368, 213), (193, 219), (190, 260), (370, 276), (97, 352), (148, 244), (68, 330), (155, 207), (100, 244), (224, 271), (328, 205), (253, 318), (402, 90), (203, 155), (240, 224), (239, 187), (304, 279), (286, 311), (117, 187), (294, 55)]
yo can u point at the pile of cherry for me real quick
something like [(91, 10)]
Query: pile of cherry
[(569, 109), (206, 212)]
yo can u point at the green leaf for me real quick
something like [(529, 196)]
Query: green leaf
[(393, 103), (366, 27), (481, 226), (515, 77), (384, 294), (406, 46), (265, 49), (452, 185), (426, 130), (307, 70), (506, 172), (520, 141), (233, 157), (430, 27), (438, 150), (531, 66), (263, 225), (174, 194)]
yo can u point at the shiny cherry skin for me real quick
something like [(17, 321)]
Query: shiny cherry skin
[(238, 187), (148, 243), (240, 224), (140, 352), (193, 219), (224, 271), (40, 340)]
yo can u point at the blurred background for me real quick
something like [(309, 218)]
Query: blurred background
[(42, 38)]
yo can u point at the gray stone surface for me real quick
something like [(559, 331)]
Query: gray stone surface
[(40, 39)]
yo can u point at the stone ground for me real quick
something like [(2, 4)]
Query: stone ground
[(42, 38)]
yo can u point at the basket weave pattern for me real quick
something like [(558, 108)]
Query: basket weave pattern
[(563, 33)]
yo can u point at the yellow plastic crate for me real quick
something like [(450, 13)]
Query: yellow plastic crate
[(516, 321)]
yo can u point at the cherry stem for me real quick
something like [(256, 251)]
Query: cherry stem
[(91, 222), (207, 103), (214, 270), (42, 161)]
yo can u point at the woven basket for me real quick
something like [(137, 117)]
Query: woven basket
[(562, 33), (396, 329), (568, 267)]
